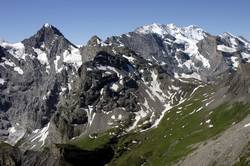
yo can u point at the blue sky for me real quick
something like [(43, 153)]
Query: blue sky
[(78, 20)]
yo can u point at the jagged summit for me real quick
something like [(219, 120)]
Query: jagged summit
[(47, 25), (47, 35), (48, 28), (192, 31), (234, 41), (94, 40), (225, 34)]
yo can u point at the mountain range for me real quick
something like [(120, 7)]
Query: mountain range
[(159, 95)]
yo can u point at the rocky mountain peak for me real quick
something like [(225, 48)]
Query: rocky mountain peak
[(226, 34), (94, 41), (47, 25), (49, 29), (191, 32), (151, 28), (46, 36), (234, 41)]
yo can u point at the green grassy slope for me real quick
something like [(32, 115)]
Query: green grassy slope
[(177, 134)]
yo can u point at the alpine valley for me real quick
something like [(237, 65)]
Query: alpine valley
[(161, 95)]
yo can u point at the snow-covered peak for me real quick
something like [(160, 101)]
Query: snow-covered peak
[(47, 25), (52, 28), (230, 38), (233, 40), (172, 26), (151, 28), (191, 32), (227, 34), (187, 36)]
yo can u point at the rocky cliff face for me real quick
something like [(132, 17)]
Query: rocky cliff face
[(53, 92), (35, 74)]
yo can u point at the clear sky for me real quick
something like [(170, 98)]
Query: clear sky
[(78, 20)]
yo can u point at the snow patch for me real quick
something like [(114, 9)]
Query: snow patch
[(138, 116), (227, 49), (235, 62), (113, 117), (210, 126), (89, 69), (130, 58), (12, 130), (19, 70), (2, 81), (15, 49), (41, 56), (41, 135), (209, 103), (247, 125), (246, 56), (167, 107), (114, 87), (156, 90), (208, 121), (69, 86), (90, 114), (175, 88), (194, 75), (199, 109), (109, 68), (120, 116), (11, 64), (15, 134), (47, 25), (195, 89), (73, 57)]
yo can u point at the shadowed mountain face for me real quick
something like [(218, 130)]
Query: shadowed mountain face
[(124, 89)]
